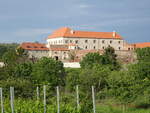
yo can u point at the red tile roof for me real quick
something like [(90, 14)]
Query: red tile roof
[(142, 45), (67, 32), (34, 46)]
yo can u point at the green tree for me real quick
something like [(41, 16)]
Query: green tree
[(111, 58), (48, 71), (3, 49), (140, 70), (23, 88), (143, 54), (132, 85), (72, 78), (90, 60), (6, 47), (96, 76), (23, 70), (121, 87), (108, 58), (10, 57)]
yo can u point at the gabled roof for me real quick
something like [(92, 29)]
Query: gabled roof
[(34, 46), (142, 45), (67, 32)]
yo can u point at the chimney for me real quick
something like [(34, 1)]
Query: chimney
[(114, 34), (72, 31)]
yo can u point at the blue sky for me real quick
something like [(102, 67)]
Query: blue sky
[(34, 20)]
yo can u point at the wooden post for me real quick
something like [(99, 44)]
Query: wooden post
[(77, 94), (1, 96), (58, 106), (37, 93), (44, 101), (12, 99), (93, 98)]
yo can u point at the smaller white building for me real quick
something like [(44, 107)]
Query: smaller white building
[(2, 64), (71, 64)]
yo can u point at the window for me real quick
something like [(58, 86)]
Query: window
[(119, 42), (129, 49), (66, 41), (94, 47), (76, 41), (86, 41), (119, 48), (110, 41), (55, 52), (94, 41), (70, 41), (85, 47), (103, 41), (103, 47), (64, 52)]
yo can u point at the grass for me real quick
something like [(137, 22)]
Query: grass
[(111, 109), (32, 106)]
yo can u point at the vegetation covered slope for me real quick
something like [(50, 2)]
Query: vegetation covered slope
[(123, 87)]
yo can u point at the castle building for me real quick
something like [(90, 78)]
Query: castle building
[(65, 44), (64, 40), (85, 40)]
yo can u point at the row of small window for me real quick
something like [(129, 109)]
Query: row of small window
[(67, 41), (86, 41), (57, 42), (41, 51), (102, 47), (56, 52)]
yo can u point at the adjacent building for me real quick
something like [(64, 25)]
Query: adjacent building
[(35, 50)]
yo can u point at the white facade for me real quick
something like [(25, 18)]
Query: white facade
[(72, 65), (2, 64), (88, 43)]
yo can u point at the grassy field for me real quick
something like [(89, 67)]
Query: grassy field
[(110, 109), (32, 106)]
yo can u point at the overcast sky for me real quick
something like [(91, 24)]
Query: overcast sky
[(34, 20)]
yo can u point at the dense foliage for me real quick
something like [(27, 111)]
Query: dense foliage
[(5, 47), (124, 86), (108, 58), (48, 71)]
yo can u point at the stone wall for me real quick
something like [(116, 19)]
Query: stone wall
[(37, 54)]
